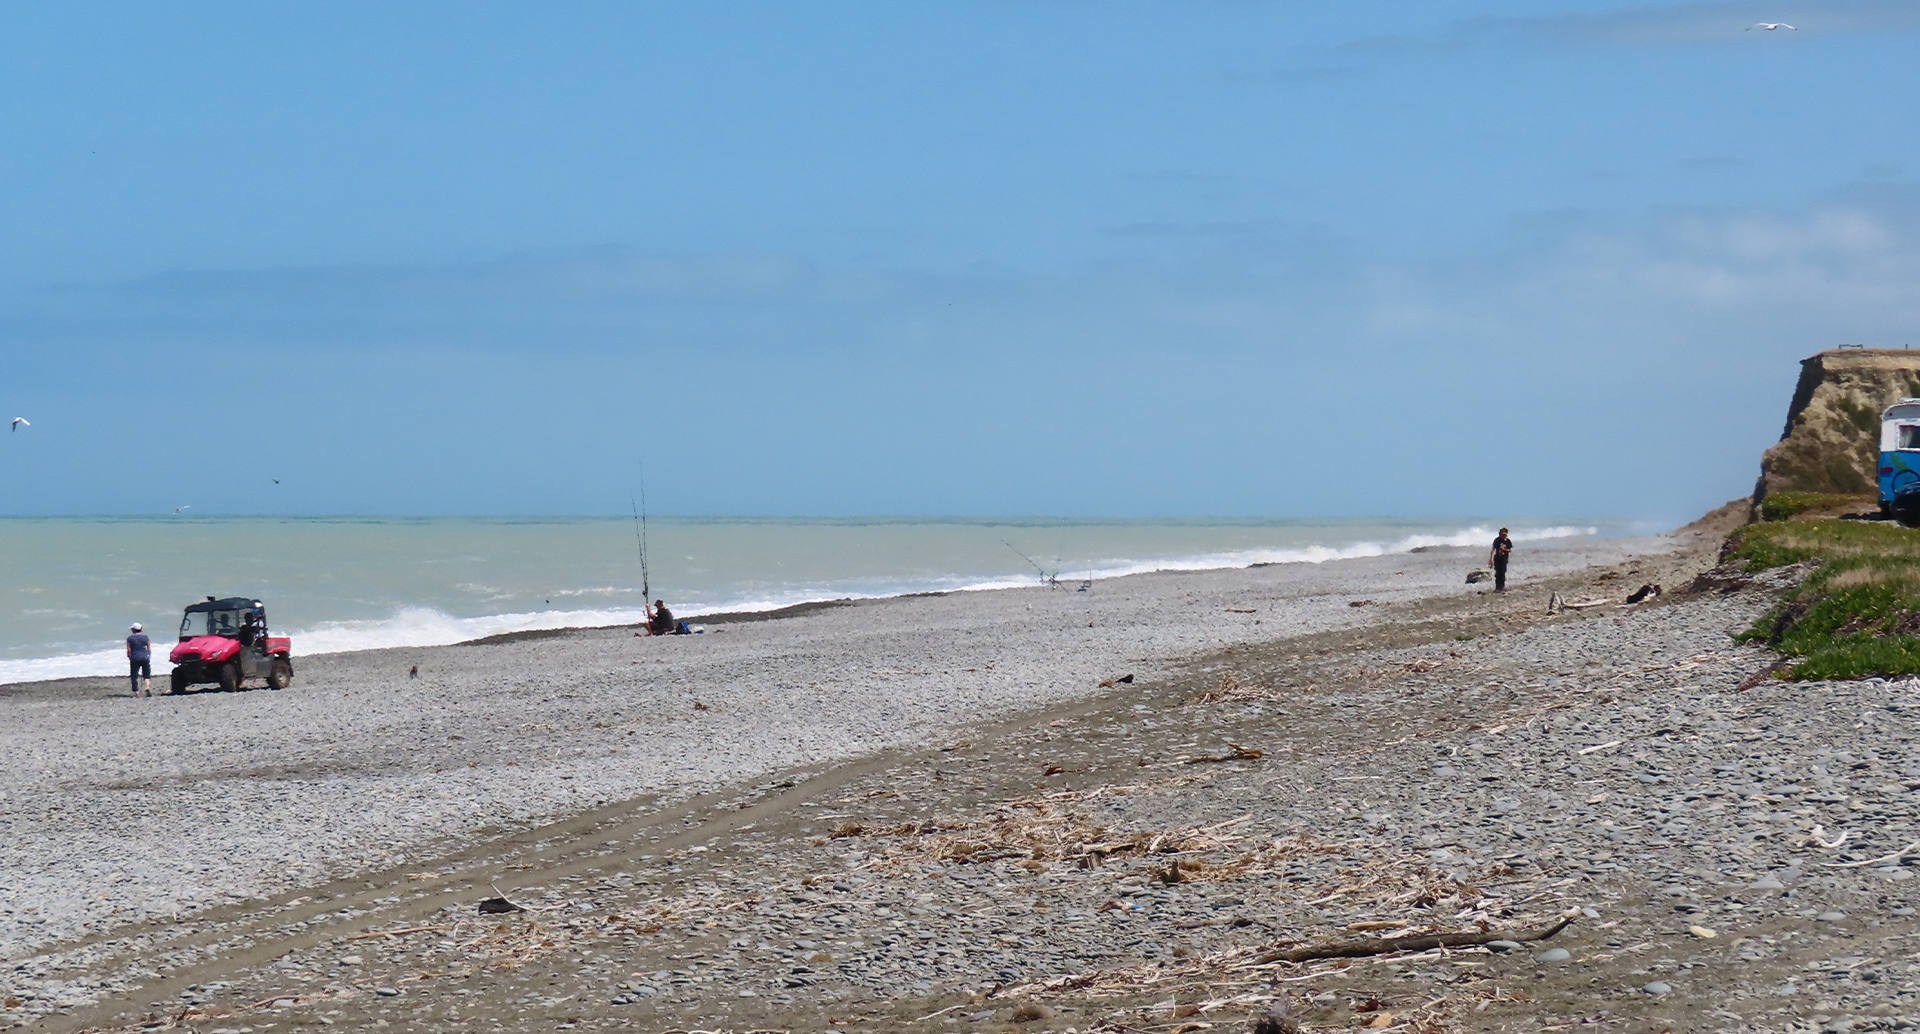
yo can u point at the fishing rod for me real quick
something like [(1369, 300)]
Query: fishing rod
[(640, 538), (1045, 578)]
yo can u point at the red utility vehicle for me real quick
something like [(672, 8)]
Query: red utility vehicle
[(226, 642)]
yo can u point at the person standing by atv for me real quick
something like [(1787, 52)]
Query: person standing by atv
[(140, 660)]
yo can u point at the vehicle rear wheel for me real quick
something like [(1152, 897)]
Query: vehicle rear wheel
[(179, 681), (281, 675), (229, 677)]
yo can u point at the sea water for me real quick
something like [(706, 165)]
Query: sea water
[(70, 586)]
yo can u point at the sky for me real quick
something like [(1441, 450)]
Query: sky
[(1130, 259)]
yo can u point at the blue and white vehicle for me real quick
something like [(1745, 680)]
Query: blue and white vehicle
[(1900, 461)]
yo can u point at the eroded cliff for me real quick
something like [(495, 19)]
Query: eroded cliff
[(1831, 442)]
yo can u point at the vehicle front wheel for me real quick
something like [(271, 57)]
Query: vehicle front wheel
[(229, 677), (179, 683), (281, 675)]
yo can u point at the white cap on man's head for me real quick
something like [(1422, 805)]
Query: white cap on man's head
[(136, 626)]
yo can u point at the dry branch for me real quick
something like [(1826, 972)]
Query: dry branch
[(1239, 754), (393, 933), (1353, 949)]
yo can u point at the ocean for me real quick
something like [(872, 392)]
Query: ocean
[(70, 586)]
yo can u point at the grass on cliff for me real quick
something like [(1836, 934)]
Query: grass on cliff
[(1857, 615), (1781, 506)]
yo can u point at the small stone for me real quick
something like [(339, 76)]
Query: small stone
[(1553, 955), (283, 1003), (1656, 987), (386, 992), (351, 960), (1767, 883), (1832, 917), (1702, 932), (1503, 946)]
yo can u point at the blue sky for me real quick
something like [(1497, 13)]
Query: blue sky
[(991, 257)]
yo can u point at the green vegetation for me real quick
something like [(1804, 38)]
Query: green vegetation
[(1780, 506), (1858, 614)]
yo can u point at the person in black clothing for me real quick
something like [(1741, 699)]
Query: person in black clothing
[(661, 621), (1497, 557)]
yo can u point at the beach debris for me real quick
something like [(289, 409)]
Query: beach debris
[(1644, 592), (1275, 1019), (1126, 679), (698, 706), (499, 905), (1231, 687), (20, 421), (1817, 836), (1360, 603), (1237, 753), (395, 933), (1893, 859), (1476, 577), (1365, 946), (1027, 1012), (1582, 604), (1242, 610)]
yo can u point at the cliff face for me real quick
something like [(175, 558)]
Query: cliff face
[(1832, 440)]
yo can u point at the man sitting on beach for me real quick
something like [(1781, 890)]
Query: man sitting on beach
[(661, 621)]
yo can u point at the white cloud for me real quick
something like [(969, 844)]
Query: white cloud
[(1716, 21)]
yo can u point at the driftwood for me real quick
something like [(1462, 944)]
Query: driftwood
[(1360, 948), (1892, 859), (395, 933), (1239, 754)]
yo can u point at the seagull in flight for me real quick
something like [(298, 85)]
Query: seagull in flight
[(276, 481), (1769, 26), (177, 509), (20, 421)]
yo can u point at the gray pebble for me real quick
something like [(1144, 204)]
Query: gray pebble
[(1656, 987), (1553, 955), (1503, 946), (1832, 917)]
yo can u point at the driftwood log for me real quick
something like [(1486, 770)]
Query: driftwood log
[(1362, 947)]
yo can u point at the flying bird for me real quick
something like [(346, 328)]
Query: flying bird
[(1769, 26), (20, 421), (276, 481), (177, 509)]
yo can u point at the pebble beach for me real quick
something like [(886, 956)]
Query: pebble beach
[(928, 813)]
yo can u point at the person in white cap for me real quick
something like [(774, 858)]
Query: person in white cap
[(140, 661)]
